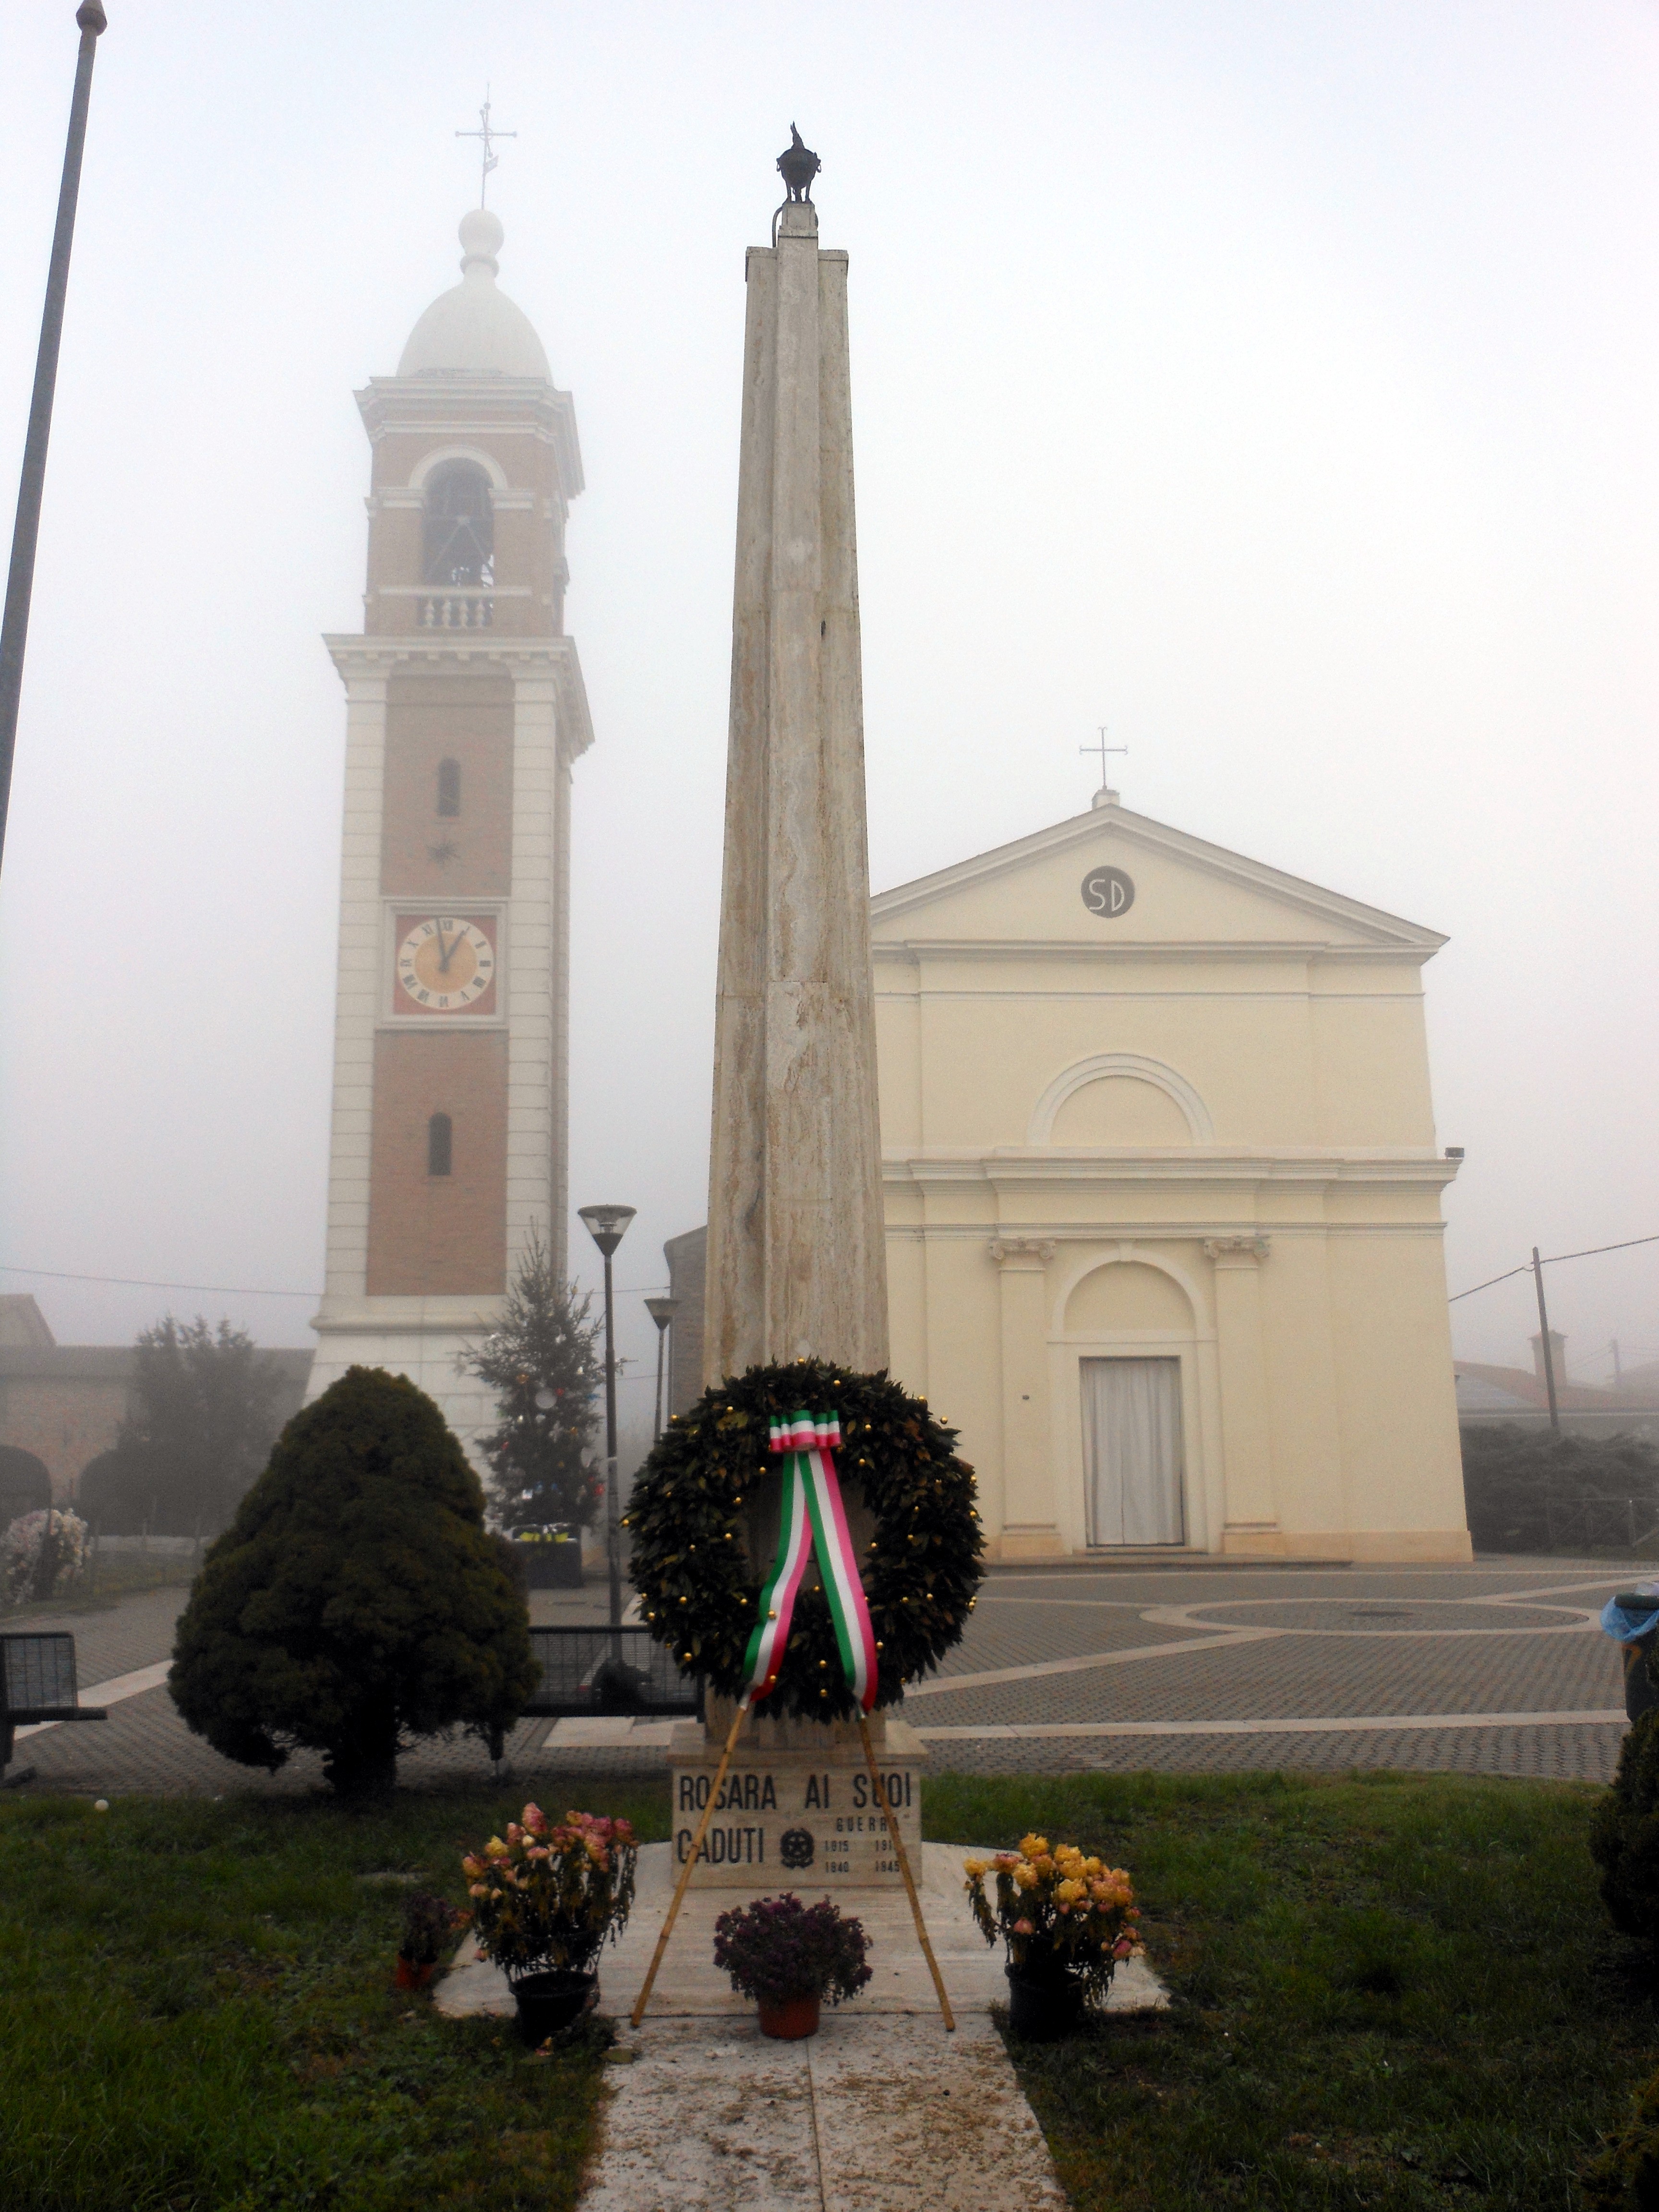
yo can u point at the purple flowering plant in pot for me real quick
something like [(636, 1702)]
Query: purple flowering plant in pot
[(789, 1957)]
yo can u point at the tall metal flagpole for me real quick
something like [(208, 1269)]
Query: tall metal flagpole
[(20, 583)]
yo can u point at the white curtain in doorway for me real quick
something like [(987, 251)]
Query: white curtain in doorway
[(1131, 1450)]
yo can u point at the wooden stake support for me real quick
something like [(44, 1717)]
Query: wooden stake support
[(644, 1997), (894, 1831)]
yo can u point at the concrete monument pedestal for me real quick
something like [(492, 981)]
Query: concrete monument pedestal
[(797, 1809)]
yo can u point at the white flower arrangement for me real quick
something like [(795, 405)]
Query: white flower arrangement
[(41, 1554)]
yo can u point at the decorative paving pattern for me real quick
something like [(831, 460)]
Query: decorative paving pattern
[(1494, 1669)]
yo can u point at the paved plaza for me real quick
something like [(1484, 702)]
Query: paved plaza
[(1497, 1668)]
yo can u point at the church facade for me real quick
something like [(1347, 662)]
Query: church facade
[(1162, 1200), (464, 710)]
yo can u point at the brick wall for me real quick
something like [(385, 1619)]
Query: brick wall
[(438, 1234), (468, 719)]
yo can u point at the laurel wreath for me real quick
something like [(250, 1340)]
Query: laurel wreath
[(699, 1589)]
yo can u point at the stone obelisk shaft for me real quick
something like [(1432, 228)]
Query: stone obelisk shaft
[(796, 1260)]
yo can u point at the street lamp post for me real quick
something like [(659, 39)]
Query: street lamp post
[(662, 1311), (607, 1226), (20, 582)]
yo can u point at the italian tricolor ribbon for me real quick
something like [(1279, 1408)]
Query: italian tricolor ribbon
[(813, 1513)]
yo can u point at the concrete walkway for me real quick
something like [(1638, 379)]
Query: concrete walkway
[(882, 2108), (879, 2113)]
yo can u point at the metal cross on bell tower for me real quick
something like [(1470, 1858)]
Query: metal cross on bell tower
[(487, 135)]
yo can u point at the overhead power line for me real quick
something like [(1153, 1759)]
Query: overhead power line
[(218, 1290), (1552, 1261), (143, 1283)]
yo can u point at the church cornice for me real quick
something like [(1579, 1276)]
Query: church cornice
[(1280, 950), (1013, 1166)]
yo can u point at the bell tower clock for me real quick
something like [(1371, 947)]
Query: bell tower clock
[(464, 710)]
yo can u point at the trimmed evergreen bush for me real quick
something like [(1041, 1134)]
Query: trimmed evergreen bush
[(355, 1603), (1625, 1834)]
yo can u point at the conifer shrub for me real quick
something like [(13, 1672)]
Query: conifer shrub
[(355, 1603), (541, 1360), (1624, 1833)]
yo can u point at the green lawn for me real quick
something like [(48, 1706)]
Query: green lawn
[(1392, 1991), (198, 2011), (1395, 1991)]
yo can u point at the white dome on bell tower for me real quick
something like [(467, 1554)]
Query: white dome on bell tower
[(475, 330)]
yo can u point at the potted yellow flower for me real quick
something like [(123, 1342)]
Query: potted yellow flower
[(546, 1897), (1067, 1921)]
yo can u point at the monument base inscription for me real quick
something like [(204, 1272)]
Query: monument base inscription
[(797, 1809)]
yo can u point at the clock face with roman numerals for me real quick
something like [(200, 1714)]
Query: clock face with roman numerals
[(446, 963)]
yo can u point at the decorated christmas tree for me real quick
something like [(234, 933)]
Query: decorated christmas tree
[(542, 1362)]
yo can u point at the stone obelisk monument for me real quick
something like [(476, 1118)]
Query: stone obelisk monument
[(796, 1258), (796, 1262)]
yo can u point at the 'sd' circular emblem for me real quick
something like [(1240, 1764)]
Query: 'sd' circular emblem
[(1108, 892), (796, 1847)]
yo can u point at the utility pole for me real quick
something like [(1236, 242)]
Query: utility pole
[(20, 581), (1544, 1338), (1618, 1372)]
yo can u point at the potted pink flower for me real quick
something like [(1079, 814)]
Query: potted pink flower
[(546, 1897), (1067, 1921), (789, 1957)]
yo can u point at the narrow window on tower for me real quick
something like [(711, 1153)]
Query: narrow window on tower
[(459, 535), (440, 1144), (449, 786)]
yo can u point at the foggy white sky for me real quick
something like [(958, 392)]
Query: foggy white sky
[(1273, 382)]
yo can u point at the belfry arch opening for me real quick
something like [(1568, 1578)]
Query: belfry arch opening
[(459, 540)]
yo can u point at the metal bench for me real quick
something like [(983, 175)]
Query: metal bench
[(593, 1669), (37, 1683)]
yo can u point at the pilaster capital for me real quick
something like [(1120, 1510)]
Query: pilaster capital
[(1026, 1251), (1236, 1251)]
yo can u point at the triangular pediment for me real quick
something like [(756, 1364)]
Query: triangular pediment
[(1066, 886)]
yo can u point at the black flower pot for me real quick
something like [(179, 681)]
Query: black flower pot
[(1043, 2005), (550, 2001)]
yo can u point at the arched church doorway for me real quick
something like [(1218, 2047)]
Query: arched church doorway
[(1128, 1364), (1133, 1462)]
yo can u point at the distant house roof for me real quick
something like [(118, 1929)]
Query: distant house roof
[(22, 1323), (1518, 1390)]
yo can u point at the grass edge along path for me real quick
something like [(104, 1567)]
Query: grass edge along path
[(1391, 1989)]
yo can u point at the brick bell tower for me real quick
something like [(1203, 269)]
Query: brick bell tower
[(464, 710)]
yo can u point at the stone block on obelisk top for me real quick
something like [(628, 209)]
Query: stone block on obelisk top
[(796, 1260)]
